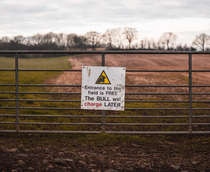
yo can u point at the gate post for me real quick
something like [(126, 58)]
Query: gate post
[(103, 112), (17, 93), (190, 93)]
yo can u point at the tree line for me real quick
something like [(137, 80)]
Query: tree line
[(112, 39)]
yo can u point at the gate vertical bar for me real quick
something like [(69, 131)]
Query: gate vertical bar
[(17, 93), (103, 112), (190, 94)]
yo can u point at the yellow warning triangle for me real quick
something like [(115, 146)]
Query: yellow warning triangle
[(103, 79)]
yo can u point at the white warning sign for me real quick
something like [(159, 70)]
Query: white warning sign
[(103, 88)]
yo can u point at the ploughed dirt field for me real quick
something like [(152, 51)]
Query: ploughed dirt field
[(146, 62)]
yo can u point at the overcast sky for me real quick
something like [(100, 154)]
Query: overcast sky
[(185, 18)]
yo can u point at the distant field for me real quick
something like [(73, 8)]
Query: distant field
[(147, 61)]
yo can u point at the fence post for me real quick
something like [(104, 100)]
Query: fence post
[(190, 93), (17, 93), (103, 112)]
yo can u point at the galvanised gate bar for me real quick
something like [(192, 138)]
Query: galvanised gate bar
[(103, 115)]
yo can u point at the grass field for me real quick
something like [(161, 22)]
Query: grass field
[(30, 78)]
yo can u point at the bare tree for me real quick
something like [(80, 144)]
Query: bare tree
[(37, 39), (93, 38), (80, 41), (168, 38), (153, 43), (119, 37), (147, 43), (70, 39), (60, 39), (5, 39), (201, 41), (130, 34), (50, 38), (159, 47), (19, 39), (109, 37), (142, 44)]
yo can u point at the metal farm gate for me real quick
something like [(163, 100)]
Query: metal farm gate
[(102, 115)]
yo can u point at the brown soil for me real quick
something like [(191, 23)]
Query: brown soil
[(144, 62), (141, 61), (169, 154)]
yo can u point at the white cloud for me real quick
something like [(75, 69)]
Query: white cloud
[(149, 17)]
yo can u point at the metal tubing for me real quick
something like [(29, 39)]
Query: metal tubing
[(50, 70), (125, 93), (46, 108), (200, 93), (44, 123), (147, 116), (157, 93), (7, 70), (157, 71), (7, 93), (139, 101), (98, 52), (7, 122), (7, 100), (108, 132), (200, 108), (62, 116), (200, 85), (157, 86), (48, 93), (6, 115), (200, 123), (200, 101), (148, 132), (28, 100), (157, 101), (103, 121), (45, 85), (156, 108), (147, 124), (98, 116), (103, 112), (190, 94), (17, 93), (200, 70), (201, 116), (200, 132), (7, 85), (7, 107), (51, 132)]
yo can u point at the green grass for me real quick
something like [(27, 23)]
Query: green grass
[(30, 78)]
